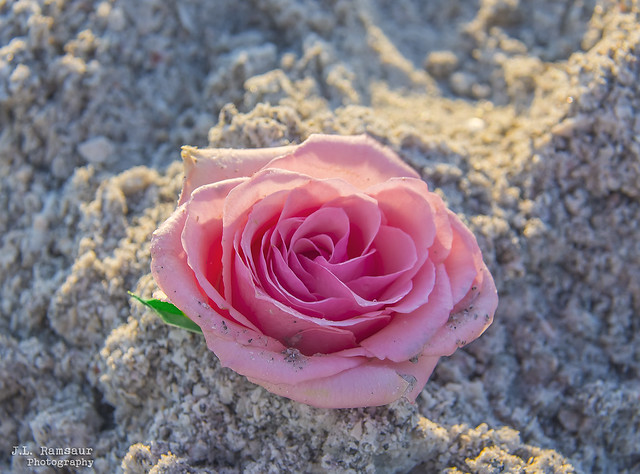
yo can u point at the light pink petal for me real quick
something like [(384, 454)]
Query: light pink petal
[(444, 234), (468, 324), (395, 257), (364, 218), (211, 165), (359, 160), (423, 282), (278, 366), (406, 335), (176, 279), (404, 203), (417, 373), (321, 229), (364, 386), (464, 261)]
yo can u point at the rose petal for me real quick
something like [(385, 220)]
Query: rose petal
[(444, 235), (350, 269), (464, 261), (364, 218), (331, 222), (286, 282), (417, 373), (211, 165), (401, 200), (284, 366), (285, 319), (283, 322), (395, 255), (237, 207), (468, 324), (406, 335), (359, 160), (321, 340), (174, 276), (241, 200), (367, 385), (423, 282), (201, 240)]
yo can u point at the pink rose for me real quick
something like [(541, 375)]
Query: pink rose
[(326, 272)]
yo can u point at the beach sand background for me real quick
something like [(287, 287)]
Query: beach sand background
[(524, 115)]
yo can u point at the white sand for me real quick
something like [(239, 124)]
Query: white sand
[(525, 115)]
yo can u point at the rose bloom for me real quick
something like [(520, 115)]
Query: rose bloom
[(325, 272)]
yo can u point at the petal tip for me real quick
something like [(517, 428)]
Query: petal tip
[(188, 157)]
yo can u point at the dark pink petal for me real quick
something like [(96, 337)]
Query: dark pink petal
[(260, 222), (285, 281), (321, 340), (238, 206), (395, 259), (359, 160), (201, 240), (464, 261), (364, 386), (401, 200), (309, 195), (211, 165), (476, 285), (336, 301), (176, 279), (281, 321), (469, 323), (351, 269), (405, 336)]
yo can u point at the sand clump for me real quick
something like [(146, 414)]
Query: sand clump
[(523, 115)]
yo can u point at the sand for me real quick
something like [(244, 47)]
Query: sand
[(523, 115)]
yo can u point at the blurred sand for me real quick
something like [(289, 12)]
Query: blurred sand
[(524, 114)]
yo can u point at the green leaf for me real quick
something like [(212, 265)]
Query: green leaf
[(169, 314)]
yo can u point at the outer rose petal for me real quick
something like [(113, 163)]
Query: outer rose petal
[(464, 261), (210, 165), (359, 160), (468, 324), (201, 238), (287, 366), (369, 385)]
